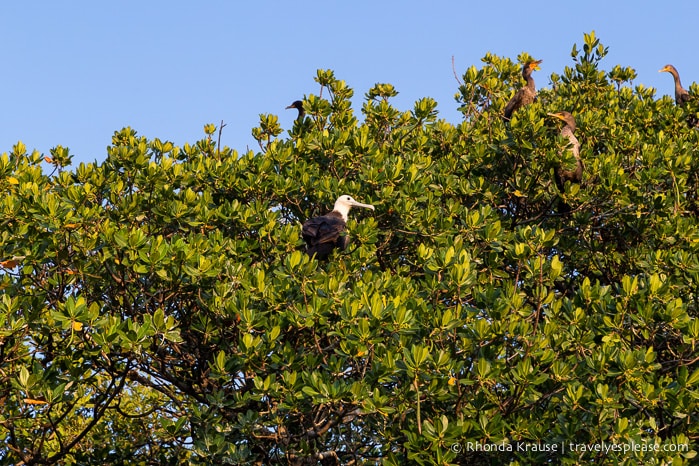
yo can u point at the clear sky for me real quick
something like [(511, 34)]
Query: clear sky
[(74, 72)]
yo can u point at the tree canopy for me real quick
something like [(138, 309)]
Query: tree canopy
[(159, 308)]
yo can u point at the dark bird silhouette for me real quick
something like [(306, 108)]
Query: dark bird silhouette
[(561, 174), (526, 94), (681, 94), (323, 234), (298, 105)]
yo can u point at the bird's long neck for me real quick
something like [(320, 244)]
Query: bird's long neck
[(568, 133), (568, 130), (341, 210), (676, 77), (527, 75)]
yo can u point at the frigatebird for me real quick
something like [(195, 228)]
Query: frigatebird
[(323, 234), (298, 105)]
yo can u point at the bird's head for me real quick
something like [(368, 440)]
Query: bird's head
[(529, 67), (533, 65), (344, 203), (298, 105), (566, 117), (668, 69)]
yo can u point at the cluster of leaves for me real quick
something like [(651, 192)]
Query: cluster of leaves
[(158, 307)]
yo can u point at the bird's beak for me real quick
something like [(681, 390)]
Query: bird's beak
[(359, 204), (664, 68), (290, 106), (536, 65), (556, 115)]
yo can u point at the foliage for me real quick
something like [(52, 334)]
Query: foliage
[(158, 307)]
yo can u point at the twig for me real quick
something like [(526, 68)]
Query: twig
[(218, 143), (417, 393), (453, 69)]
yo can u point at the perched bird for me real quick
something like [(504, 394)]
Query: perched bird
[(681, 94), (525, 95), (298, 105), (323, 234), (575, 175)]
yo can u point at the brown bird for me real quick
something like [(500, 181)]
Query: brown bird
[(298, 105), (575, 175), (681, 94), (525, 95)]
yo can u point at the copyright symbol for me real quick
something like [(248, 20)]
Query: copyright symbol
[(456, 447)]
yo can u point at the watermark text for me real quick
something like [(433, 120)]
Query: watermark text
[(564, 447)]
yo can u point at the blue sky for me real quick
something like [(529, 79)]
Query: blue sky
[(74, 72)]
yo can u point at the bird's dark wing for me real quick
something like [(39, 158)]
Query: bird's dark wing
[(325, 229), (321, 234), (683, 97), (514, 103)]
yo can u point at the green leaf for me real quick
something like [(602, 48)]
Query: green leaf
[(23, 377), (274, 333), (693, 379)]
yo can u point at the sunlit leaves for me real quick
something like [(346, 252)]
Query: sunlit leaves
[(163, 297)]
